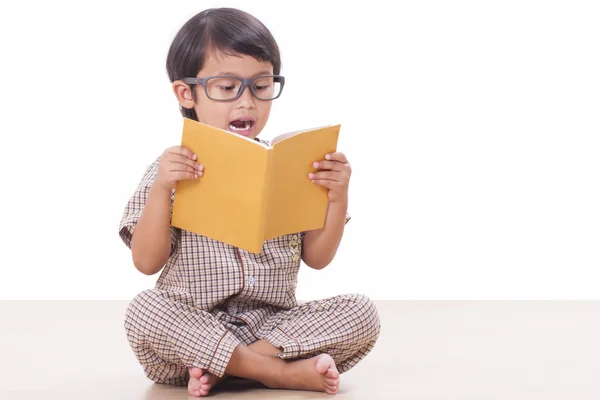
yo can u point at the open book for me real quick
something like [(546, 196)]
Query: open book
[(251, 192)]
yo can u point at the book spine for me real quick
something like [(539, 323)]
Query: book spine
[(266, 198)]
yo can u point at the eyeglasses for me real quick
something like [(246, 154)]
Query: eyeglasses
[(229, 88)]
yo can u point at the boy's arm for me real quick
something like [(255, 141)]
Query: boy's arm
[(151, 238), (320, 246), (146, 224)]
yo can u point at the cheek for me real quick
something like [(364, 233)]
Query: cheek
[(264, 111), (214, 114)]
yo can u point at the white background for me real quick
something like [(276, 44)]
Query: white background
[(472, 128)]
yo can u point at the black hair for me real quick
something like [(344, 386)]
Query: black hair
[(228, 30)]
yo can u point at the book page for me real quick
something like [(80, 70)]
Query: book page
[(227, 202), (284, 136), (294, 203)]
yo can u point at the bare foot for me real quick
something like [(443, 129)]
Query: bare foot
[(201, 382), (318, 374)]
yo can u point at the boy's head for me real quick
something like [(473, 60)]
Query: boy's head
[(212, 56)]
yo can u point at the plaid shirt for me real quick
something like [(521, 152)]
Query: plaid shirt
[(215, 273)]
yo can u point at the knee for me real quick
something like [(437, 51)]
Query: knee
[(138, 309), (139, 305), (368, 315)]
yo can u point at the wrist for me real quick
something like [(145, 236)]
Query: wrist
[(340, 203), (160, 190)]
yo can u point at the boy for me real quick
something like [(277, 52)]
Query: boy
[(218, 310)]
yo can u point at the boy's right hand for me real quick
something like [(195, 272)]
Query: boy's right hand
[(177, 163)]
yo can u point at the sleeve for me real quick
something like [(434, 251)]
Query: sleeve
[(135, 206)]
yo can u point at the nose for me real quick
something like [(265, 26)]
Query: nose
[(246, 99)]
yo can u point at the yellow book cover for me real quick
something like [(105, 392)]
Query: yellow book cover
[(251, 192)]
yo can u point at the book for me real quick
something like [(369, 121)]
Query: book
[(251, 192)]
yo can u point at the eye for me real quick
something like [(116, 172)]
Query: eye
[(263, 84), (223, 84)]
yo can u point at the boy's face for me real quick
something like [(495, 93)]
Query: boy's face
[(245, 115)]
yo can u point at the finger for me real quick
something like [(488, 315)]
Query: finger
[(183, 151), (331, 165), (182, 175), (326, 175), (336, 156), (178, 167), (325, 183), (181, 159)]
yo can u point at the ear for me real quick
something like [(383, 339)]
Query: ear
[(184, 94)]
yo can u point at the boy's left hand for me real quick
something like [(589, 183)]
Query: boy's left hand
[(334, 174)]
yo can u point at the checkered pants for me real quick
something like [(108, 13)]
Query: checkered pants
[(169, 334)]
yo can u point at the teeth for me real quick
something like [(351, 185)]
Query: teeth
[(247, 125), (235, 128)]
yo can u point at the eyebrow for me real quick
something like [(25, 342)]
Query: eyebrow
[(264, 72)]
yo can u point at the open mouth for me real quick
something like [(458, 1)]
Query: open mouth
[(242, 126)]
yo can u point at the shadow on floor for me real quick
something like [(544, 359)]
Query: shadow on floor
[(231, 386)]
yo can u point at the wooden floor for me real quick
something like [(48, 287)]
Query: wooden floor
[(427, 350)]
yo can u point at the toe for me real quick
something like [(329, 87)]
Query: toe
[(331, 382), (332, 373), (196, 373), (324, 363), (331, 390), (193, 388)]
